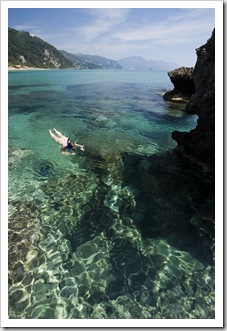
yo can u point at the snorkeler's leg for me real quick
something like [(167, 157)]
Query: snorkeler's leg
[(54, 137), (59, 134)]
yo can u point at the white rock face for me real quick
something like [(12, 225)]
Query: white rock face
[(51, 58), (46, 52), (22, 59)]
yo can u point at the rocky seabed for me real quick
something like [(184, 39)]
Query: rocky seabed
[(99, 243)]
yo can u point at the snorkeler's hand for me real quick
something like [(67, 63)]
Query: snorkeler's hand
[(82, 148)]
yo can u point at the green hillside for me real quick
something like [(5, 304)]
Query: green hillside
[(80, 63), (100, 61), (91, 61), (27, 50)]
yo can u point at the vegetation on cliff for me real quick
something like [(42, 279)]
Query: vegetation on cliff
[(27, 50), (78, 62), (92, 61)]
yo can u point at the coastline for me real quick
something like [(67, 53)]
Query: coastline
[(10, 68)]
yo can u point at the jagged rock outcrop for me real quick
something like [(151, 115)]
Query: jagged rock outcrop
[(198, 145), (182, 79)]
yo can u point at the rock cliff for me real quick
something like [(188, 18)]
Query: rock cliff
[(184, 87), (198, 145)]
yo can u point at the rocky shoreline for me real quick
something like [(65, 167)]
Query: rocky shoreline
[(24, 68), (197, 147), (184, 87)]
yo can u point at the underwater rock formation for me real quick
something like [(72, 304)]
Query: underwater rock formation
[(198, 145), (182, 79), (171, 202)]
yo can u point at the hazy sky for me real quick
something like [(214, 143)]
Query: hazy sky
[(167, 34)]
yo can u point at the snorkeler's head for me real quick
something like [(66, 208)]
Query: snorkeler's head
[(70, 144)]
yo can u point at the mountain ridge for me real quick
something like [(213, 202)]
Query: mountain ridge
[(102, 61), (27, 50), (91, 61), (140, 63)]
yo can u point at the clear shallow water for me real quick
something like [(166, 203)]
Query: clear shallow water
[(109, 232)]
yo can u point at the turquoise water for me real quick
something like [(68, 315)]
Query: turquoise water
[(114, 231)]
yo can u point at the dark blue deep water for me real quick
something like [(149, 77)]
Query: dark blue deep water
[(109, 232)]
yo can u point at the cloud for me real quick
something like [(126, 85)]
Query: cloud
[(114, 15), (178, 31), (189, 14), (25, 27), (117, 33), (120, 32), (102, 21)]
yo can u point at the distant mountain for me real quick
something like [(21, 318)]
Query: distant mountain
[(92, 61), (100, 61), (79, 62), (25, 49), (140, 63)]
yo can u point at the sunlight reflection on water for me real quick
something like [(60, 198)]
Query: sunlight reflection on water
[(87, 237)]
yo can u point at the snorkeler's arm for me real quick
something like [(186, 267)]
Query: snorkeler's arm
[(63, 148), (81, 146), (64, 152)]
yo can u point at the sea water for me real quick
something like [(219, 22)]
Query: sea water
[(108, 232)]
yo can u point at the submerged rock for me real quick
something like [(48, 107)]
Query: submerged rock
[(172, 202), (184, 87), (198, 145)]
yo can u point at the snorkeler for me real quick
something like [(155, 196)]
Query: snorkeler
[(66, 144)]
